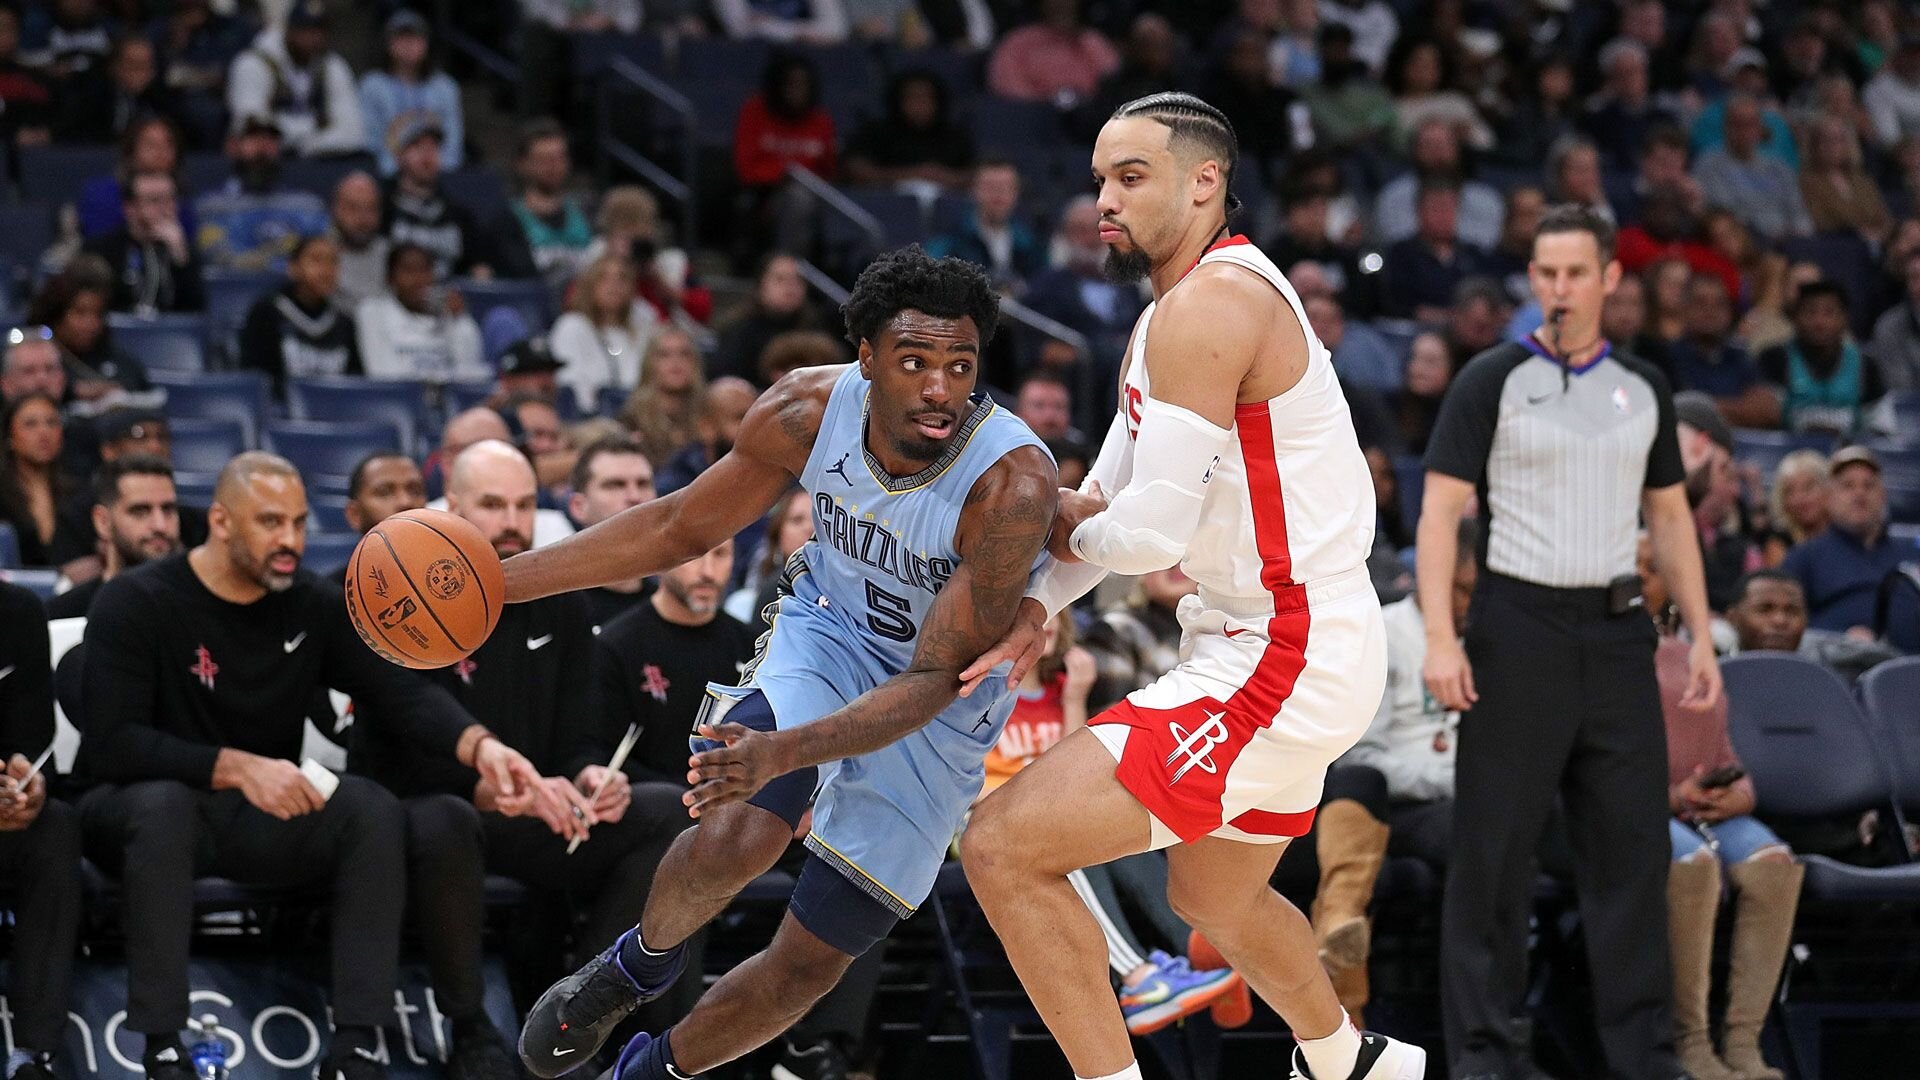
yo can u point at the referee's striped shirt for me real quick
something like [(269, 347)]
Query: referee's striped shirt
[(1560, 463)]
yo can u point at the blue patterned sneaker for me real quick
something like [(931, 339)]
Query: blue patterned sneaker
[(576, 1015), (1173, 991)]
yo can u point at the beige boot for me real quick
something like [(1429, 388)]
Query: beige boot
[(1351, 986), (1766, 897), (1693, 902), (1351, 845)]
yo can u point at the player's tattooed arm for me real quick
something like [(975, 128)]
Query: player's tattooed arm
[(768, 454), (1003, 528)]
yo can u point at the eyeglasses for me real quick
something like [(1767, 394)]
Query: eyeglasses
[(20, 335)]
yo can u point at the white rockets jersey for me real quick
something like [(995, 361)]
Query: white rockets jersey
[(1292, 500)]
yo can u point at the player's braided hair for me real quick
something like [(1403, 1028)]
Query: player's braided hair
[(911, 280), (1191, 119)]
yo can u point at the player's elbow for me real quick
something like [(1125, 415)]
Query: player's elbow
[(1144, 552)]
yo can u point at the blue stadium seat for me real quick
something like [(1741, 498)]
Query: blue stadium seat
[(479, 188), (1764, 449), (1900, 471), (26, 231), (41, 582), (900, 214), (202, 172), (163, 342), (320, 175), (1806, 744), (458, 397), (9, 547), (240, 396), (55, 174), (326, 452), (328, 551), (327, 514), (230, 294), (1906, 412), (716, 98), (1891, 695), (204, 446), (530, 298), (716, 59), (1003, 126), (399, 402), (195, 488)]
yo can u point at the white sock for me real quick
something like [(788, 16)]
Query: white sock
[(1333, 1057), (1131, 1072)]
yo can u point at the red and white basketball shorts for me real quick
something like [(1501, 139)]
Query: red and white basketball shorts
[(1235, 741)]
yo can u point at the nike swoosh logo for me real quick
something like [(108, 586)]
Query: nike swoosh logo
[(1531, 400), (564, 1053), (1233, 633), (537, 642), (6, 671), (1150, 994), (294, 643)]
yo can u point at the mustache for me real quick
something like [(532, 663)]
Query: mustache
[(523, 541)]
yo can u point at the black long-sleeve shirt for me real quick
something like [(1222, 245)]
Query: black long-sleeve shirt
[(527, 684), (288, 340), (26, 675), (654, 673), (173, 674)]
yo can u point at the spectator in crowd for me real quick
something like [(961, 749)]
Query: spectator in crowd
[(406, 90), (1541, 109), (1409, 750), (1768, 322), (1760, 278), (292, 74), (1430, 371), (1573, 176), (1761, 190), (550, 218), (1895, 346), (1421, 271), (72, 305), (39, 846), (605, 331), (526, 369), (1668, 230), (1293, 51), (798, 349), (1746, 76), (1373, 24), (1137, 641), (663, 411), (462, 430), (526, 684), (255, 221), (1044, 402), (1824, 378), (415, 208), (547, 28), (415, 331), (789, 526), (1507, 260), (992, 234), (1351, 111), (1623, 116), (199, 46), (1075, 290), (1149, 64), (1713, 492), (1661, 163), (1624, 316), (1361, 354), (194, 656), (783, 125), (1265, 117), (381, 485), (916, 144), (807, 23), (1056, 59), (539, 434), (1425, 89), (779, 304), (609, 475), (301, 330), (135, 519), (1892, 98), (1839, 195), (32, 366), (105, 102), (1476, 318), (726, 403), (155, 268), (628, 223), (65, 39), (1769, 611), (1667, 284), (1714, 833), (26, 101), (1306, 235), (32, 486), (1707, 359), (355, 228), (120, 433), (1797, 503), (1842, 567), (1436, 158)]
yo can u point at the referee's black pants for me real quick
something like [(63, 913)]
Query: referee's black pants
[(40, 866), (1568, 707), (158, 835)]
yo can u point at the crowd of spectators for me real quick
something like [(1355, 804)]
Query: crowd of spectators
[(1761, 161)]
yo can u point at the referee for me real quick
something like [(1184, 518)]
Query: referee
[(1569, 445)]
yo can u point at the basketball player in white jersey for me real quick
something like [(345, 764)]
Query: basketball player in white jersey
[(1234, 456)]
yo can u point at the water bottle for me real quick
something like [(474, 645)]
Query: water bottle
[(209, 1051)]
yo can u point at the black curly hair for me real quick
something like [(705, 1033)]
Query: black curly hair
[(911, 280)]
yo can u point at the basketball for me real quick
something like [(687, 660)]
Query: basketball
[(424, 589)]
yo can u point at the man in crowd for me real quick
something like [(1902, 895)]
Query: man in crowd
[(992, 235), (155, 268), (1770, 612), (477, 425), (1713, 490), (417, 210), (355, 227), (1708, 360), (527, 369), (254, 222), (1045, 403), (1761, 190), (1422, 270), (1076, 292), (1825, 382), (32, 367), (381, 485), (1437, 158), (136, 518), (728, 400), (292, 75), (104, 102), (114, 436), (198, 672), (1361, 354), (1842, 568), (610, 476), (1307, 203), (554, 227), (39, 845), (1623, 114)]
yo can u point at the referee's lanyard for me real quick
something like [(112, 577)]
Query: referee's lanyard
[(1567, 371)]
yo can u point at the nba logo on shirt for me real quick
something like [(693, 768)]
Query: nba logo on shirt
[(1620, 400)]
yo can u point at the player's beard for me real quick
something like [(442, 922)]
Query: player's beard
[(1126, 267)]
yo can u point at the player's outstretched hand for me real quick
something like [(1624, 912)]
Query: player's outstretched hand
[(1075, 507), (1023, 644), (734, 772)]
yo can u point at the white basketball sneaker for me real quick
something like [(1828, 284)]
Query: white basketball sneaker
[(1380, 1058)]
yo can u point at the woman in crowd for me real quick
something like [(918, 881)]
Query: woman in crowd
[(417, 331), (782, 125), (789, 525), (73, 305), (916, 144), (629, 224), (779, 304), (149, 144), (298, 330), (1139, 641), (1423, 89), (1429, 373), (407, 91), (32, 488), (664, 409), (605, 331), (1544, 112), (1797, 503), (1839, 194)]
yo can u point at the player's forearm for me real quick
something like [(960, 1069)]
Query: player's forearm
[(878, 718), (628, 545)]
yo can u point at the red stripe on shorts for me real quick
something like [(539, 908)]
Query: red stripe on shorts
[(1263, 823)]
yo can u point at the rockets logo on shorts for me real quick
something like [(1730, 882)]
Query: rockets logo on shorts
[(1197, 746)]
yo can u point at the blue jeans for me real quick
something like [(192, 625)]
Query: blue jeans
[(1737, 839)]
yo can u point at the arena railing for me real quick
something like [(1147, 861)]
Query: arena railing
[(623, 75)]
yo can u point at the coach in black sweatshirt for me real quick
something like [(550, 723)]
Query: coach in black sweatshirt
[(197, 675)]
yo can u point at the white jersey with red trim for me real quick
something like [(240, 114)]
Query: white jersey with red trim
[(1293, 500)]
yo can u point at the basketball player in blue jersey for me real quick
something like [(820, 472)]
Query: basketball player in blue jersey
[(931, 508)]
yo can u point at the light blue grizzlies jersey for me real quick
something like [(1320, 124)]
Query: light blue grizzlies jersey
[(883, 548)]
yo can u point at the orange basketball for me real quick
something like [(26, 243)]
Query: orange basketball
[(424, 589)]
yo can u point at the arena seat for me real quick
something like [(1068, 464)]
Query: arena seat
[(55, 174), (1765, 449), (399, 402), (238, 396), (176, 342), (205, 445), (458, 397), (26, 231), (530, 298), (9, 547), (230, 295), (325, 452), (40, 581), (1890, 694), (328, 551), (327, 516)]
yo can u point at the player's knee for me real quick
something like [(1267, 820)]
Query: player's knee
[(739, 842), (805, 966), (1197, 905), (985, 848)]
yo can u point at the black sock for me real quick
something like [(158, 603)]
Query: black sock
[(472, 1027), (351, 1037), (648, 968)]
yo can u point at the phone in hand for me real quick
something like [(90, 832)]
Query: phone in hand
[(1721, 777)]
